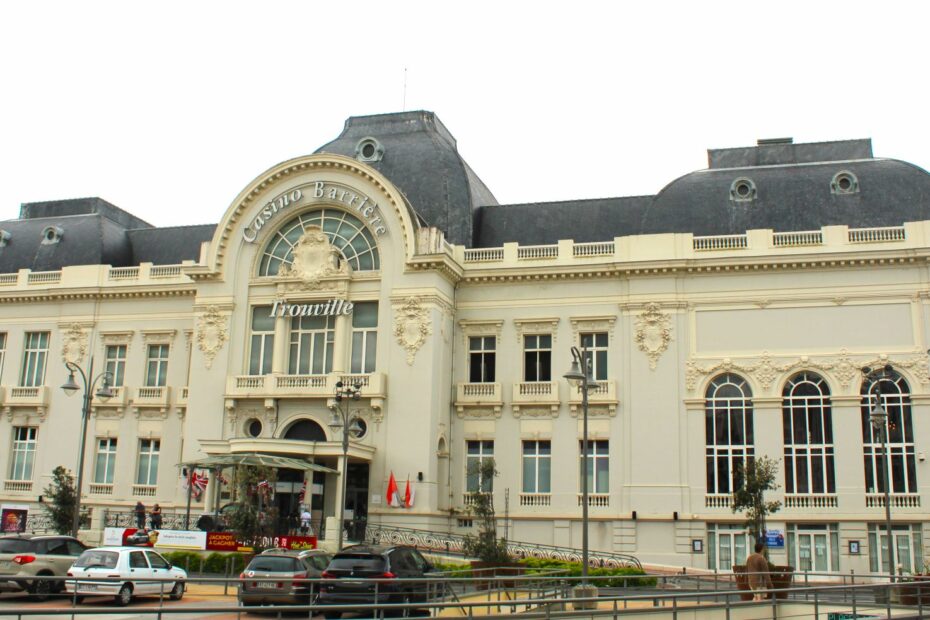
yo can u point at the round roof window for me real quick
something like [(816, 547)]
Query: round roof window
[(844, 182), (742, 190), (369, 149), (253, 427)]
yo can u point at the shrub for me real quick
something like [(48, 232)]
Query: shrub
[(213, 563), (573, 569)]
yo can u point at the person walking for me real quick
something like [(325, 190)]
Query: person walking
[(757, 568), (156, 517), (140, 515), (305, 518)]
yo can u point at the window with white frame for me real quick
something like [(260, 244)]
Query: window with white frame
[(807, 429), (35, 354), (476, 453), (147, 472), (537, 466), (116, 363), (814, 547), (598, 463), (364, 337), (894, 394), (537, 357), (908, 547), (105, 464), (261, 346), (156, 366), (23, 454), (482, 359), (596, 345), (311, 345), (2, 351), (728, 431), (727, 544)]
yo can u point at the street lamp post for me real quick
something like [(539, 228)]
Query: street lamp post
[(576, 376), (104, 393), (878, 417), (341, 421)]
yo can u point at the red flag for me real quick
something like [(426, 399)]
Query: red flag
[(408, 495), (391, 496), (303, 493)]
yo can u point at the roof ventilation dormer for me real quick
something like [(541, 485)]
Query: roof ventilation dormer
[(770, 141), (52, 234)]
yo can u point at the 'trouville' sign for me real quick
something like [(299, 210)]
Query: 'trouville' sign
[(333, 307), (317, 191)]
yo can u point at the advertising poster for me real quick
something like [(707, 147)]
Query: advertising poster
[(223, 541), (181, 539), (13, 518)]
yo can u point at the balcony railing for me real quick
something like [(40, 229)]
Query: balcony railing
[(27, 396), (536, 392), (118, 399), (17, 486), (803, 500), (535, 499), (603, 393), (99, 488), (144, 490), (877, 235), (720, 242), (595, 500), (898, 500), (717, 500), (478, 394), (151, 396), (373, 385)]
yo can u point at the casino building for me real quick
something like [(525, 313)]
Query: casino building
[(726, 317)]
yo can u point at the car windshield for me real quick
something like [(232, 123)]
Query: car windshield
[(358, 562), (272, 564), (16, 545), (95, 558)]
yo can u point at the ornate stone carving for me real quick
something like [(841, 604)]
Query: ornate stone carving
[(212, 333), (653, 333), (536, 412), (479, 412), (593, 324), (74, 344), (315, 259), (480, 328), (117, 338), (536, 326), (412, 325)]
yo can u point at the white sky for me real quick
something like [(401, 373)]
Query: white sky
[(168, 109)]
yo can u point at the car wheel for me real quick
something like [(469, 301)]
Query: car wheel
[(177, 592), (41, 589), (124, 596)]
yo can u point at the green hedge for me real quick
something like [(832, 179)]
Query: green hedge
[(212, 563), (573, 569)]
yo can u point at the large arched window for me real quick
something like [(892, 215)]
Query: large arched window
[(346, 233), (305, 430), (894, 394), (728, 429), (807, 427)]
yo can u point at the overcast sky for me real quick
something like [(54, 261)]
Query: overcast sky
[(168, 109)]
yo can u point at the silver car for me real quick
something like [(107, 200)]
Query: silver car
[(124, 573), (278, 576), (25, 557)]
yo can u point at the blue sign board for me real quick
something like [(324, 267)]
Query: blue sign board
[(775, 539)]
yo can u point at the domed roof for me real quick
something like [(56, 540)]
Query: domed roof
[(804, 189)]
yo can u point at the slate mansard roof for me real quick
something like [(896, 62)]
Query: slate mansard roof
[(775, 184)]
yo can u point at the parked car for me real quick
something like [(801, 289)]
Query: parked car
[(275, 577), (371, 574), (125, 572), (25, 556)]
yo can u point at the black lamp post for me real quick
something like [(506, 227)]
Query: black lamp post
[(878, 417), (341, 421), (575, 376), (104, 393)]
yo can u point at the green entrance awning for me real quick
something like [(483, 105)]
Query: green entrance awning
[(257, 459)]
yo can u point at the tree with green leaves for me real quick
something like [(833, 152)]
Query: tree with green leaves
[(61, 500), (485, 546), (255, 514), (752, 478)]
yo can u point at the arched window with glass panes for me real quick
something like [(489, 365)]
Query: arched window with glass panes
[(893, 393), (728, 430), (345, 232), (807, 430)]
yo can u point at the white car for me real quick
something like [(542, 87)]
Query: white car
[(124, 572)]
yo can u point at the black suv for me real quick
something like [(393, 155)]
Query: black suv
[(372, 574)]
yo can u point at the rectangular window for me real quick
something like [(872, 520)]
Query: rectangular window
[(598, 463), (116, 363), (2, 351), (727, 545), (35, 353), (477, 453), (311, 350), (908, 547), (23, 453), (537, 357), (537, 466), (364, 337), (482, 356), (261, 348), (148, 461), (156, 371), (596, 344), (106, 460)]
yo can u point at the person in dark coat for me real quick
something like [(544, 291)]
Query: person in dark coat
[(757, 568), (140, 515)]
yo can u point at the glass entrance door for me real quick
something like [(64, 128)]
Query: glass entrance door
[(814, 548), (727, 545)]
